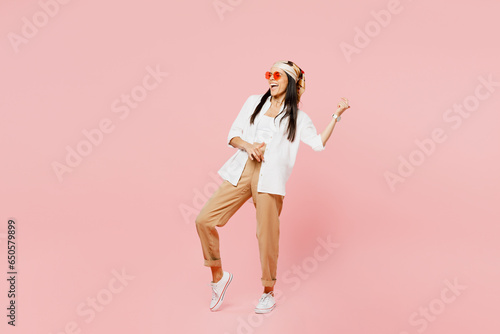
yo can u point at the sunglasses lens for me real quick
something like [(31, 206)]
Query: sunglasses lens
[(275, 75)]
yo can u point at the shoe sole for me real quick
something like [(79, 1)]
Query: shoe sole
[(267, 310), (221, 299)]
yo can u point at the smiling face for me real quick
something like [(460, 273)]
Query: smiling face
[(278, 87)]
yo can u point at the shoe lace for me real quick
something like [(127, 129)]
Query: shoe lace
[(266, 296), (214, 290)]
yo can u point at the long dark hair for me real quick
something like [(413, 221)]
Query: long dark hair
[(290, 110)]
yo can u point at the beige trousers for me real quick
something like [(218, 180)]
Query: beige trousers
[(225, 201)]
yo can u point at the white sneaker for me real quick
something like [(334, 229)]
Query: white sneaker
[(266, 303), (219, 290)]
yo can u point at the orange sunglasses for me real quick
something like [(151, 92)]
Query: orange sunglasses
[(276, 75)]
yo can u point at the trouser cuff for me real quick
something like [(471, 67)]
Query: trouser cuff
[(213, 263), (269, 283)]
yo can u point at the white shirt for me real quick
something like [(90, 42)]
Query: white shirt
[(279, 154), (265, 130)]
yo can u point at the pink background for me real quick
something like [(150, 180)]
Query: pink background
[(130, 204)]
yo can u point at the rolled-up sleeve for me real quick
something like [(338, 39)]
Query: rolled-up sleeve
[(309, 135), (239, 123)]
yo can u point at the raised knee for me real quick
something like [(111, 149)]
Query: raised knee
[(200, 219)]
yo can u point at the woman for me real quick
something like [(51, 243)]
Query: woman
[(267, 133)]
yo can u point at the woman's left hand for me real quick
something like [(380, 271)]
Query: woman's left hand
[(342, 106)]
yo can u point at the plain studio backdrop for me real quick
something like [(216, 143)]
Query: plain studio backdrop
[(114, 117)]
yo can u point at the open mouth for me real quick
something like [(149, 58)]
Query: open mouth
[(274, 86)]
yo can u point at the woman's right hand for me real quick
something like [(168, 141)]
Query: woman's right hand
[(255, 151)]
